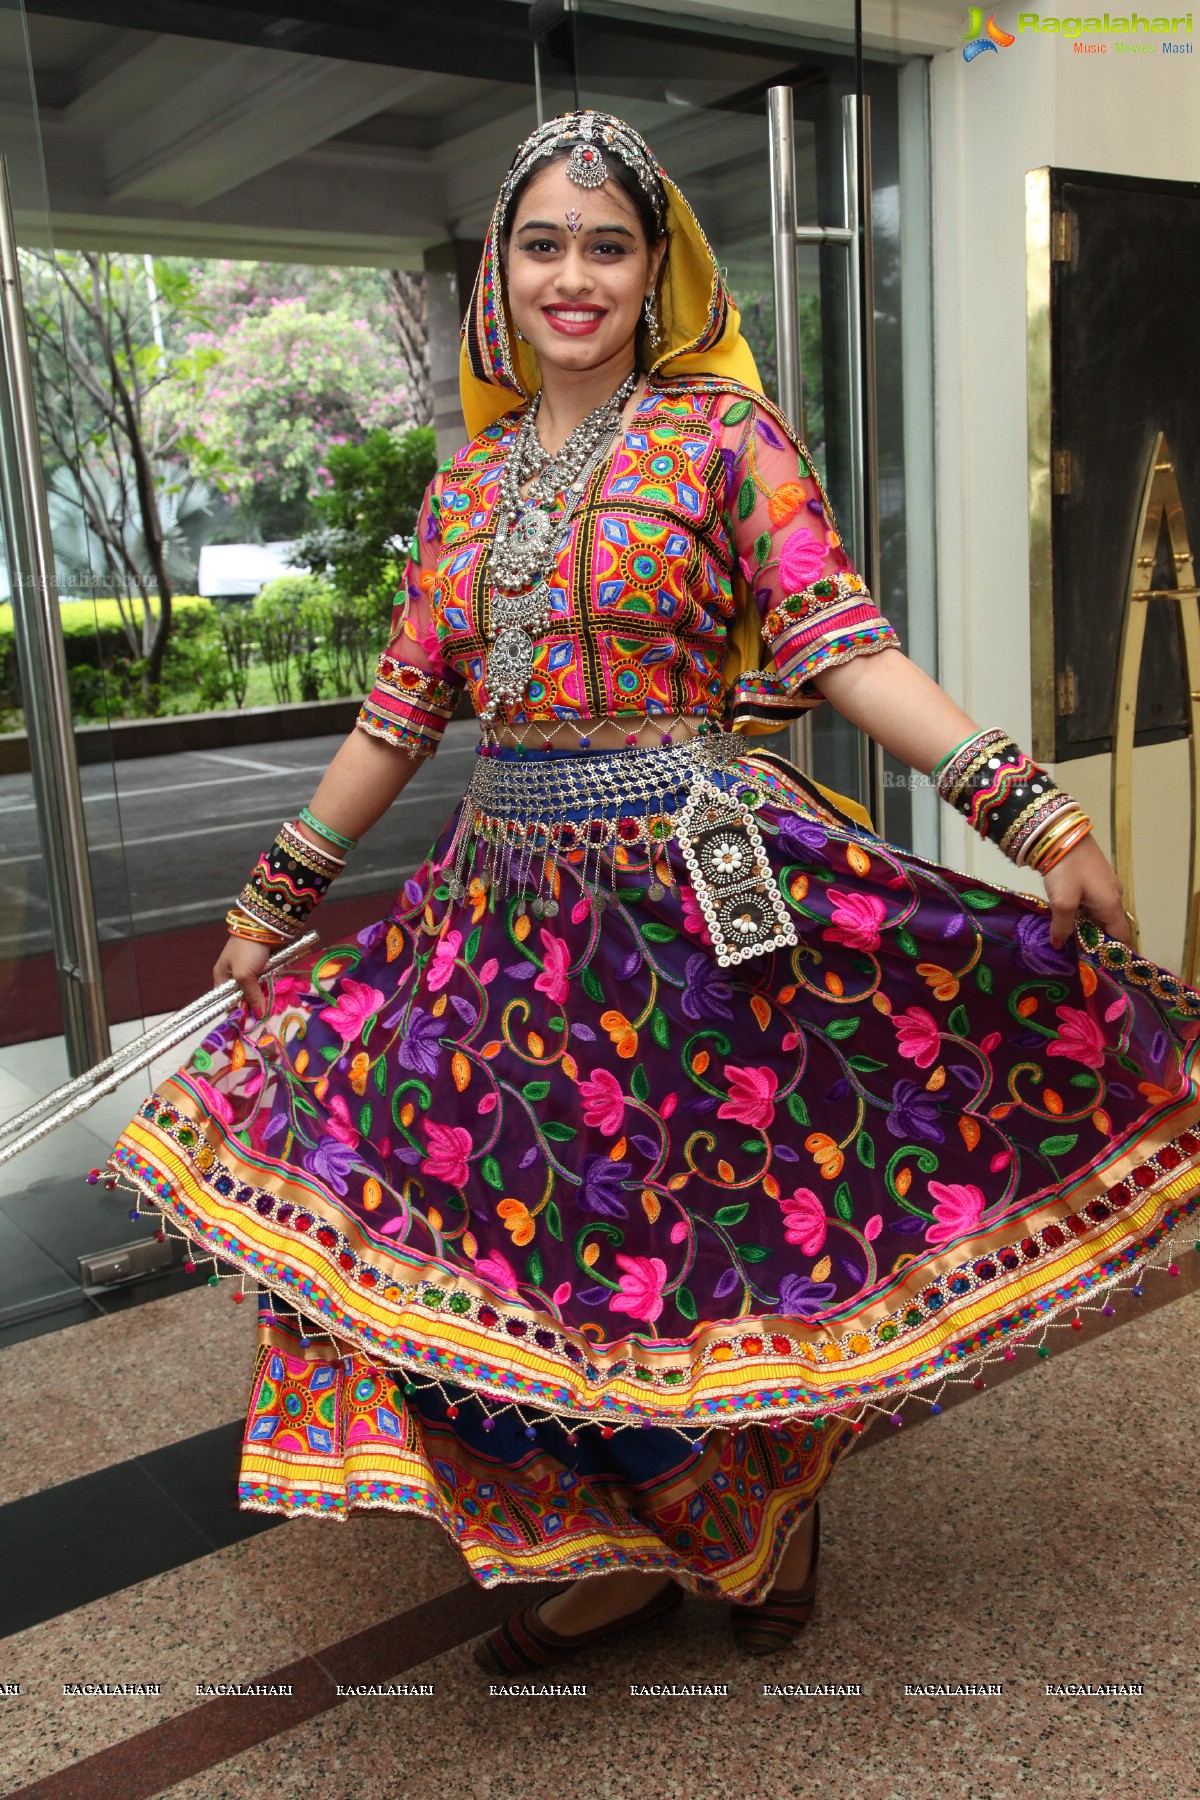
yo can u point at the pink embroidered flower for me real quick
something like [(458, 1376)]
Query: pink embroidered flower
[(286, 989), (552, 980), (804, 1221), (693, 918), (751, 1096), (801, 560), (959, 1209), (603, 1102), (856, 919), (338, 1124), (497, 1269), (355, 1004), (1079, 1037), (917, 1035), (216, 1103), (641, 1287), (449, 1148), (441, 963)]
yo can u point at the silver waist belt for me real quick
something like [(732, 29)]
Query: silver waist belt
[(523, 818)]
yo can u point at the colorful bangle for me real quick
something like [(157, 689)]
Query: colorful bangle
[(1002, 793), (326, 831), (287, 883), (239, 924), (1051, 849)]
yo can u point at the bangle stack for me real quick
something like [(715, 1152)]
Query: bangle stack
[(1007, 797), (286, 884)]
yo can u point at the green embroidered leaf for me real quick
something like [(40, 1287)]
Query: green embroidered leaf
[(843, 1206), (1085, 1078), (553, 1220), (202, 1062), (980, 899), (798, 1110), (473, 944), (364, 1118), (907, 941), (639, 1083), (1059, 1146), (957, 1022), (533, 1268), (331, 1052), (746, 498), (762, 548), (660, 1028), (983, 979), (535, 1091), (381, 1075), (752, 1146), (737, 412), (591, 984), (685, 1302), (562, 1134), (843, 1028), (490, 1170), (557, 1023), (731, 1215), (658, 933), (753, 1252), (865, 1149), (865, 1065)]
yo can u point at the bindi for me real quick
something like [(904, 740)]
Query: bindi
[(574, 222)]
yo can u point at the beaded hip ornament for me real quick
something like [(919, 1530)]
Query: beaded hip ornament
[(515, 820)]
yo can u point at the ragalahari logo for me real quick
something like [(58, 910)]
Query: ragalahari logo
[(992, 39)]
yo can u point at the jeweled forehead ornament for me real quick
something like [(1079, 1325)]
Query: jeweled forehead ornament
[(591, 136), (574, 222)]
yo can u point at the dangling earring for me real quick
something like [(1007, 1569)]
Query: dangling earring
[(650, 314), (520, 334)]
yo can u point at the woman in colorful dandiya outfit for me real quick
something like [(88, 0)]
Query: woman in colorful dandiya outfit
[(671, 1124)]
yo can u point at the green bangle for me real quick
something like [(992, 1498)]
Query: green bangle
[(326, 831), (942, 761)]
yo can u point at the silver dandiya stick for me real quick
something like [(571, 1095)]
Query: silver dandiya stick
[(76, 1096)]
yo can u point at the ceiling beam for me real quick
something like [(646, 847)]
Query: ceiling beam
[(462, 37)]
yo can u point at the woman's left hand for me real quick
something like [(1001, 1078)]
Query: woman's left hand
[(1084, 881)]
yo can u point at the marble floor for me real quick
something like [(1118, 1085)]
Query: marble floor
[(1039, 1535)]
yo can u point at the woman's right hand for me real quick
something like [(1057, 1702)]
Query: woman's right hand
[(245, 962)]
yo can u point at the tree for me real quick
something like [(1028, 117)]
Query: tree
[(98, 353), (369, 512), (274, 395), (406, 292)]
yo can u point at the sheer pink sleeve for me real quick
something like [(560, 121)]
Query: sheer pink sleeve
[(415, 691), (814, 607)]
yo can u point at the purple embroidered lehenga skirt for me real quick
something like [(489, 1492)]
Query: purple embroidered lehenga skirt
[(598, 1253)]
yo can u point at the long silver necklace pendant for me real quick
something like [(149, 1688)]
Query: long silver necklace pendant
[(731, 875)]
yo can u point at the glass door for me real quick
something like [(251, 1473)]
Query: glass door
[(65, 924), (704, 93)]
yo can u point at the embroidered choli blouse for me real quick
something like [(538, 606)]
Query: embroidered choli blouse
[(706, 504)]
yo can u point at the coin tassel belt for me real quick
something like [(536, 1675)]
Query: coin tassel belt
[(520, 815)]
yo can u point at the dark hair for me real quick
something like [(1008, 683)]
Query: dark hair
[(619, 171)]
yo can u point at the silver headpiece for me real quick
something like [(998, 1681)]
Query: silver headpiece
[(590, 134)]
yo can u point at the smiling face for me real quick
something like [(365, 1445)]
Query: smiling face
[(579, 269)]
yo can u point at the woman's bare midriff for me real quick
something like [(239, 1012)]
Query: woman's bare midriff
[(602, 734)]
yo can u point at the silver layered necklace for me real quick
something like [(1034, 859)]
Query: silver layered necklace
[(529, 535)]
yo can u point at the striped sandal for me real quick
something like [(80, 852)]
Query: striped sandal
[(524, 1644), (780, 1618)]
